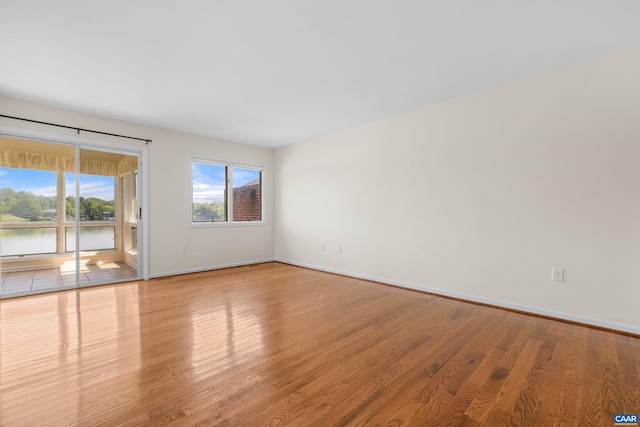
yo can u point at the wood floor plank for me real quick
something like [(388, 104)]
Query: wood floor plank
[(570, 391), (549, 389), (454, 412), (591, 411), (528, 408), (630, 388), (273, 344)]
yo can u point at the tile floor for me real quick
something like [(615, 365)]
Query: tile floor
[(21, 282)]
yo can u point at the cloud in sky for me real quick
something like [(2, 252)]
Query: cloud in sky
[(49, 191), (208, 182), (100, 187), (203, 193)]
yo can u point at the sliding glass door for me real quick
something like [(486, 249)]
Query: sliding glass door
[(69, 216)]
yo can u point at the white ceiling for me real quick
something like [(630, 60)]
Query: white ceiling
[(275, 72)]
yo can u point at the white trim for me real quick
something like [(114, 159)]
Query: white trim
[(76, 214), (210, 268), (229, 166), (130, 264), (622, 327), (143, 203), (29, 268), (227, 224)]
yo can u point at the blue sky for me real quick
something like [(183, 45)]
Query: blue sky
[(43, 183), (242, 176), (209, 181)]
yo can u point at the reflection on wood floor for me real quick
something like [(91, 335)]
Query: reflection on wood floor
[(273, 344), (50, 279)]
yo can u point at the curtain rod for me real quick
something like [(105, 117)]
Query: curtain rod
[(146, 141)]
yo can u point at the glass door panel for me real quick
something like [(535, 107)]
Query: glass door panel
[(65, 223), (104, 218), (32, 215)]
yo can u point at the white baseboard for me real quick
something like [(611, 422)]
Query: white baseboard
[(31, 267), (622, 327), (209, 268), (6, 270)]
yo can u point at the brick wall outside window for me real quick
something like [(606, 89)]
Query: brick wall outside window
[(246, 202)]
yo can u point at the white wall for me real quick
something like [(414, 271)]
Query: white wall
[(169, 190), (478, 197), (481, 196)]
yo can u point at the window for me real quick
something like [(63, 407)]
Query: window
[(247, 186), (209, 195), (97, 196), (62, 205), (91, 238), (28, 195), (29, 207), (28, 241), (211, 200), (28, 210)]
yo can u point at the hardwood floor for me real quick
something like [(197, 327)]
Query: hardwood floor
[(274, 344)]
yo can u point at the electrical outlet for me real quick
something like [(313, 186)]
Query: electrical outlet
[(322, 247), (185, 250), (557, 274), (339, 248)]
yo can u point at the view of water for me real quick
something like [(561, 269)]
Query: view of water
[(30, 241)]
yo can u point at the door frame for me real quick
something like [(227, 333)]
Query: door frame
[(107, 144)]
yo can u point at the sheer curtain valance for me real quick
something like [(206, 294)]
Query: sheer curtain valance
[(57, 163)]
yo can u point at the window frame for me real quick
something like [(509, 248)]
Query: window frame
[(61, 224), (229, 166)]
